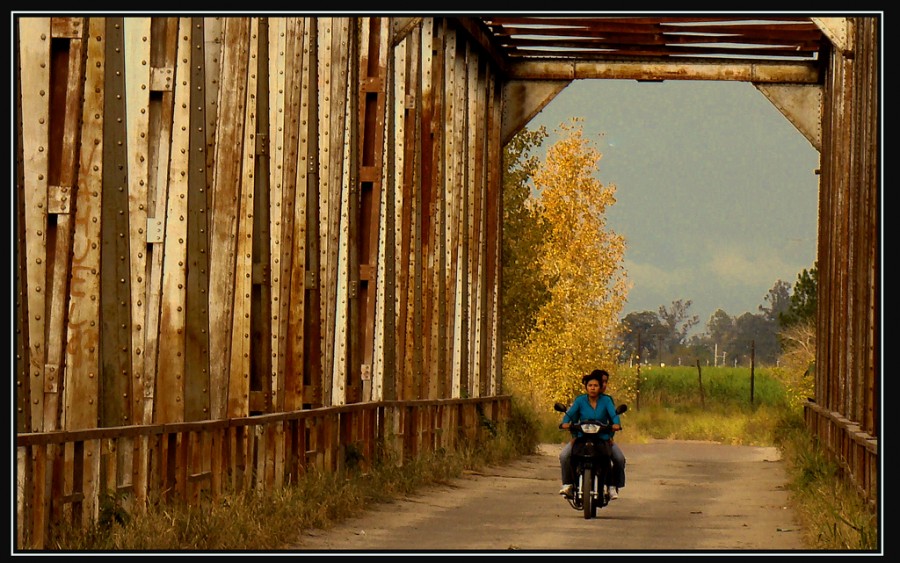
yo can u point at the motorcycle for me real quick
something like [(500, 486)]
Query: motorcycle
[(592, 461)]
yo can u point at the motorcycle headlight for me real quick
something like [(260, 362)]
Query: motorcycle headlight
[(590, 428)]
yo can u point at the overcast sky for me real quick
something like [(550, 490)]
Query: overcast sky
[(716, 190)]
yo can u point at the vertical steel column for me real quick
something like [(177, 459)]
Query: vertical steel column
[(372, 64), (261, 292), (196, 363)]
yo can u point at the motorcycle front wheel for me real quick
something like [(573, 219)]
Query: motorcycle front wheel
[(587, 494)]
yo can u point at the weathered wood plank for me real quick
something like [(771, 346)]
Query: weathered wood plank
[(137, 72), (477, 226), (373, 113), (437, 248), (429, 69), (455, 72), (345, 288), (217, 463), (313, 360), (81, 392), (239, 369), (388, 333), (24, 485), (213, 34), (109, 465), (137, 118), (493, 238), (350, 374), (223, 230), (279, 59), (34, 61), (261, 247), (181, 450), (170, 406), (297, 165), (164, 45), (71, 83), (421, 208), (278, 457), (89, 483), (408, 203), (21, 345), (195, 474), (333, 220), (470, 245), (331, 149), (293, 214), (39, 497)]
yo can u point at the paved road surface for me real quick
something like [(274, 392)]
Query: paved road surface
[(680, 496)]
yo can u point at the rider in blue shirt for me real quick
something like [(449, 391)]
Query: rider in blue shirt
[(593, 405)]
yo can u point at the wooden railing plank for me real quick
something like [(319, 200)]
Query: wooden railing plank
[(63, 474)]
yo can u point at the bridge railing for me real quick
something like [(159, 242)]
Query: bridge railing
[(65, 477), (855, 451)]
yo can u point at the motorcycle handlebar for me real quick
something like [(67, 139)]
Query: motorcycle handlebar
[(560, 407)]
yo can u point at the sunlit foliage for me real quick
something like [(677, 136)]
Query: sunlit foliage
[(796, 365), (523, 229), (580, 262)]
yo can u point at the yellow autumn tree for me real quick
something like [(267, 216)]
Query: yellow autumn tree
[(580, 261)]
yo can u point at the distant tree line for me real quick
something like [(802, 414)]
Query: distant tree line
[(661, 336)]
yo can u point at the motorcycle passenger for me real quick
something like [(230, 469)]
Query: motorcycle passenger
[(593, 405), (616, 479)]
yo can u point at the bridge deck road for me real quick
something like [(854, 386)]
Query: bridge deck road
[(679, 496)]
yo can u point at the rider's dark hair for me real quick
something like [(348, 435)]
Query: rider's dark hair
[(596, 374)]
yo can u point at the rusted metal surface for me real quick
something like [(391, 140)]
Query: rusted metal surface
[(81, 387), (171, 368), (115, 281), (372, 115), (300, 105), (311, 335), (855, 451), (196, 362), (163, 47), (669, 37), (848, 369), (242, 210), (34, 59), (281, 193), (212, 90), (67, 74), (137, 98), (289, 213), (225, 194), (261, 319), (801, 104)]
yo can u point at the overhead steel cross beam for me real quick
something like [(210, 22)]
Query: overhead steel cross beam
[(804, 72), (757, 49)]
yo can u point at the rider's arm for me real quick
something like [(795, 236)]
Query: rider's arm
[(566, 421), (570, 416)]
